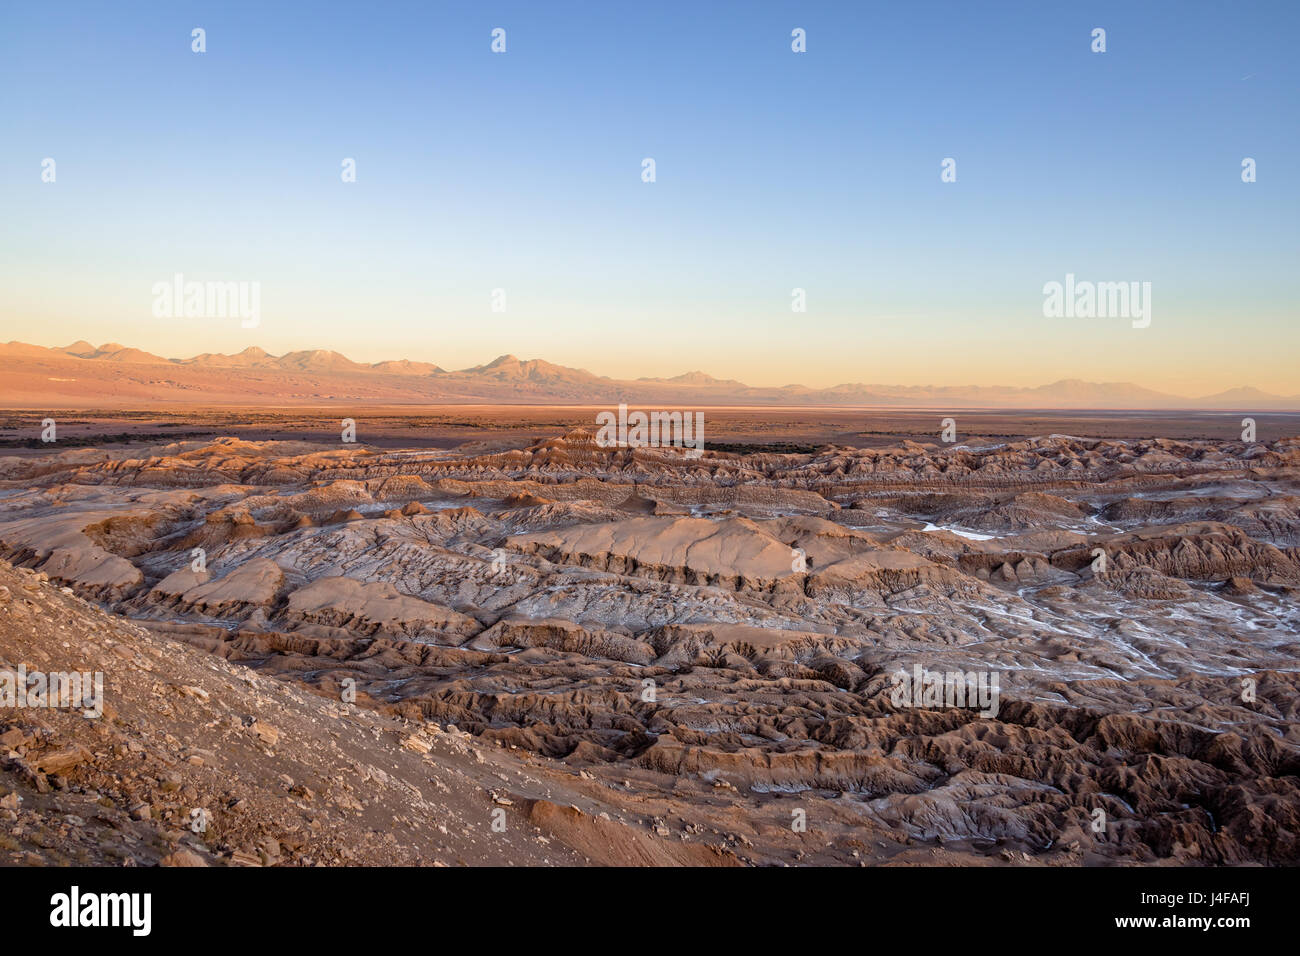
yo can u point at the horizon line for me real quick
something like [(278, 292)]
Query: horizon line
[(102, 352)]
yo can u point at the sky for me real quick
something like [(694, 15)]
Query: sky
[(774, 171)]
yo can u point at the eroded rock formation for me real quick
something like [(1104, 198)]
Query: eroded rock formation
[(740, 621)]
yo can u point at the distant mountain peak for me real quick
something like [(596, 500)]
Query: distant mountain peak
[(695, 377), (316, 359), (323, 374)]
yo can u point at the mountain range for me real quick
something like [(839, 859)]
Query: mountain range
[(115, 375)]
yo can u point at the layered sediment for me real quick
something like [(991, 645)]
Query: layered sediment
[(736, 625)]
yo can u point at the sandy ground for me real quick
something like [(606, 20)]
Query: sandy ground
[(731, 428)]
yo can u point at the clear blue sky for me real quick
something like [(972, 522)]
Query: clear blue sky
[(775, 170)]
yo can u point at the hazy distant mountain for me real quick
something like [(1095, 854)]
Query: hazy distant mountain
[(405, 367), (317, 360), (16, 349), (251, 357), (114, 375), (1244, 397), (120, 353), (507, 368), (695, 378), (109, 352), (1077, 392)]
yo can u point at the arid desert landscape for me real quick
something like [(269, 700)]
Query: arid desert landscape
[(463, 644), (853, 445)]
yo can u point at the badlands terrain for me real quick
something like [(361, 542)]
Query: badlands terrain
[(631, 656)]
